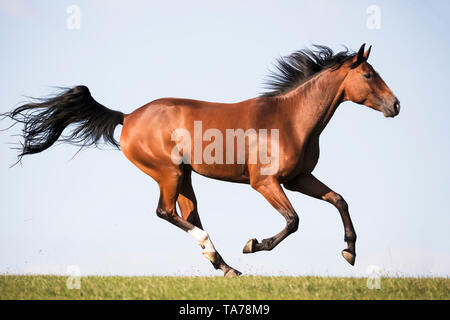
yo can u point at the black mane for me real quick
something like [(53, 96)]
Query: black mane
[(300, 66)]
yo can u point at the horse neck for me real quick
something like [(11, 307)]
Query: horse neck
[(311, 105)]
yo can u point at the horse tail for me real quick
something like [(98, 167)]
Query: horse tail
[(45, 120)]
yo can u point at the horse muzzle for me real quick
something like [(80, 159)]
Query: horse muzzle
[(392, 110)]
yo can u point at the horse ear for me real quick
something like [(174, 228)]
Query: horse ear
[(367, 53), (359, 57)]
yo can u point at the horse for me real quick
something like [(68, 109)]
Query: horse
[(303, 93)]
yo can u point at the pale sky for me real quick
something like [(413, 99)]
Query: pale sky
[(97, 211)]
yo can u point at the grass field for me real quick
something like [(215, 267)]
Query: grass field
[(249, 287)]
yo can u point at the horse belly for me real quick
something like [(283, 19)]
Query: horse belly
[(226, 172)]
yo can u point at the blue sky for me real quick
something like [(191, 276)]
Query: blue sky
[(97, 210)]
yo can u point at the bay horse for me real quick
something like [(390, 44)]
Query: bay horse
[(303, 95)]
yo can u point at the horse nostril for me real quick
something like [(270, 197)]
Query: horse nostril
[(397, 106)]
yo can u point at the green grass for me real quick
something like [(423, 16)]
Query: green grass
[(249, 287)]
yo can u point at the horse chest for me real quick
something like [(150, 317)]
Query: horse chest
[(310, 157), (300, 160)]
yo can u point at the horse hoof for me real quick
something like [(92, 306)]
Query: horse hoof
[(232, 273), (250, 246), (350, 257)]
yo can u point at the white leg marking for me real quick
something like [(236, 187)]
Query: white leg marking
[(203, 239)]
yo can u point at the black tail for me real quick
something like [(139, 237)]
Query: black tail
[(45, 121)]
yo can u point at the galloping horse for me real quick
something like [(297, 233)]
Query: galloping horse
[(303, 96)]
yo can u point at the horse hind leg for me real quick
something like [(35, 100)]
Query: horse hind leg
[(188, 207)]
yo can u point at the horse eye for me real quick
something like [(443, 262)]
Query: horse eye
[(368, 75)]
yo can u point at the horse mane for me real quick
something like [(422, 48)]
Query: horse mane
[(297, 68)]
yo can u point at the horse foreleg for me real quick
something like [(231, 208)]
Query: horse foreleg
[(272, 191), (311, 186)]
